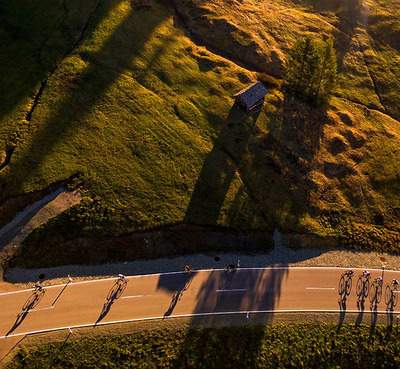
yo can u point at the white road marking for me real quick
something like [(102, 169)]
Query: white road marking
[(198, 271), (134, 296), (233, 290), (40, 309), (337, 311), (320, 288)]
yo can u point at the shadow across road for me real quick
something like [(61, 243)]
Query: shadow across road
[(178, 284), (229, 298), (32, 301), (114, 294)]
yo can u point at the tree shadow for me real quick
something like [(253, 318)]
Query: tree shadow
[(220, 167), (224, 294), (37, 36), (178, 284), (284, 157), (102, 68)]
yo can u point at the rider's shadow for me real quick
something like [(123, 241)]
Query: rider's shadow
[(115, 293), (361, 308), (184, 286), (29, 304)]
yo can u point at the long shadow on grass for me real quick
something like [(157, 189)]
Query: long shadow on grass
[(220, 167), (37, 35), (231, 292), (102, 68), (281, 160)]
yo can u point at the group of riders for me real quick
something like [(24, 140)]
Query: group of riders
[(366, 274), (363, 289)]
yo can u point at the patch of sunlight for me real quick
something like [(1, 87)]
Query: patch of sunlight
[(107, 27)]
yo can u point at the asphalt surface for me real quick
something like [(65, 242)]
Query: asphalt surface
[(171, 295)]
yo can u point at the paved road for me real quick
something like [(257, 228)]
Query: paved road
[(177, 294)]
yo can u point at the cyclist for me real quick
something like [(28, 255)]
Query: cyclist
[(395, 283), (230, 268), (121, 278), (187, 268), (379, 280), (366, 274), (349, 273), (38, 287)]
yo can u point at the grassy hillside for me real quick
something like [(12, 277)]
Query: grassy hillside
[(122, 93), (277, 346)]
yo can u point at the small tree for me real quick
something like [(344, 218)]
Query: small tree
[(310, 71)]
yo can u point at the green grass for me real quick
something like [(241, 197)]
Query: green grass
[(145, 115), (110, 112), (316, 345)]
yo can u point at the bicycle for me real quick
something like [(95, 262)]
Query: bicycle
[(229, 268), (117, 290), (346, 284), (34, 299), (363, 284), (188, 269), (391, 294), (376, 290)]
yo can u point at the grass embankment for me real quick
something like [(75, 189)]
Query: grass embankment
[(277, 346), (132, 103), (340, 163)]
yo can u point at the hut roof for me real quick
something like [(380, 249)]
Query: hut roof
[(252, 94)]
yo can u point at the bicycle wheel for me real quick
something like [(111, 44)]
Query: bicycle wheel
[(30, 302), (113, 291), (120, 290), (341, 286), (388, 295), (40, 296), (372, 293), (379, 293), (394, 298), (348, 286), (366, 288), (359, 286)]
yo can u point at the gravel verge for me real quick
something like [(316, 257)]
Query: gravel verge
[(280, 256)]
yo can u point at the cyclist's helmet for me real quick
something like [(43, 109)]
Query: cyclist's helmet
[(367, 273), (395, 282), (379, 279), (350, 272)]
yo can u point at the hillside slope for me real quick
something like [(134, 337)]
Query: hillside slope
[(135, 98)]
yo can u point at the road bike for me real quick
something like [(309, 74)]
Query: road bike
[(363, 284), (34, 299), (345, 283), (188, 269), (117, 290), (391, 295), (376, 291), (230, 268)]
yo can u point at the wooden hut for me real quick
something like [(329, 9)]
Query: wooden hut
[(251, 98)]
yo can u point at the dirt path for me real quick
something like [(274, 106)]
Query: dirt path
[(36, 214)]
